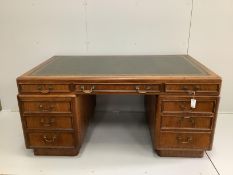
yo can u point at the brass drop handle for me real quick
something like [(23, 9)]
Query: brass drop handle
[(39, 87), (196, 88), (192, 121), (184, 140), (140, 91), (191, 92), (86, 91), (182, 106), (47, 123), (45, 109), (50, 87), (44, 91), (49, 139), (185, 88)]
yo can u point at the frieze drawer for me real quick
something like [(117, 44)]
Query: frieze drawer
[(44, 88), (121, 88), (190, 88)]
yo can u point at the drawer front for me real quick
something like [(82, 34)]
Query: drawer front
[(187, 88), (102, 88), (48, 122), (46, 107), (186, 122), (184, 140), (176, 105), (50, 140), (44, 88)]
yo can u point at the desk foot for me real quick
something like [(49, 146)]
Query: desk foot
[(179, 153), (56, 152)]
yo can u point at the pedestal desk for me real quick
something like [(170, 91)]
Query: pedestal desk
[(57, 100)]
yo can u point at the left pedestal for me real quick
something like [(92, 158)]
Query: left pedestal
[(54, 124)]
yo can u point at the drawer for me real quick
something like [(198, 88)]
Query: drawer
[(46, 107), (48, 122), (121, 88), (183, 104), (50, 140), (44, 88), (184, 140), (189, 88), (186, 122)]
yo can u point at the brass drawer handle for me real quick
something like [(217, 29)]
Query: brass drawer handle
[(191, 120), (184, 88), (87, 91), (39, 87), (140, 91), (50, 88), (183, 140), (47, 123), (44, 91), (45, 108), (182, 106), (49, 139), (196, 88), (190, 92)]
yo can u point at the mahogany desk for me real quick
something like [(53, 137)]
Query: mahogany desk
[(57, 99)]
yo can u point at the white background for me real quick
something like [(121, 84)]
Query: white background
[(31, 31)]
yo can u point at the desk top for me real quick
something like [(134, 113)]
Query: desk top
[(120, 66)]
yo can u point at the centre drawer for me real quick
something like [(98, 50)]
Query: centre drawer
[(48, 122), (50, 139), (174, 104), (184, 140), (120, 88)]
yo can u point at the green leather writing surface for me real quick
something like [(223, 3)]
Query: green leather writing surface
[(119, 65)]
